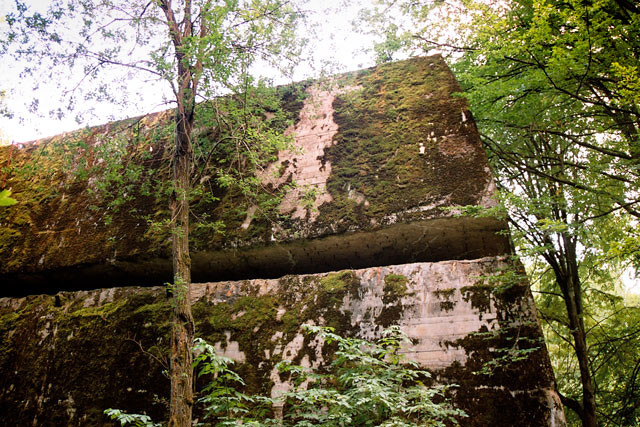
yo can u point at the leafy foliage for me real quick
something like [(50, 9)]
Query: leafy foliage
[(366, 384), (221, 396), (96, 50), (135, 420)]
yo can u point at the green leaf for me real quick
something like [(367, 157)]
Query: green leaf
[(5, 200)]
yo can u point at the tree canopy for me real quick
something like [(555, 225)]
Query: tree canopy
[(92, 49), (554, 87)]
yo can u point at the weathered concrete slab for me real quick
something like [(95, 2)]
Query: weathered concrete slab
[(65, 358), (379, 155)]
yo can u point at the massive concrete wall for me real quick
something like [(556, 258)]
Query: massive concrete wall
[(66, 357), (379, 155), (382, 160)]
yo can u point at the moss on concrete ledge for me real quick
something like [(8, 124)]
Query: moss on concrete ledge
[(395, 286)]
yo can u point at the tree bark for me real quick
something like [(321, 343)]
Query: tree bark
[(183, 329)]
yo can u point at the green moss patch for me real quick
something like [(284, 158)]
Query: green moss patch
[(263, 324), (89, 343), (102, 193), (395, 284), (381, 128), (479, 295), (395, 287), (335, 283)]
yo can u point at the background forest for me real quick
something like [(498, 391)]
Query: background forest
[(554, 87)]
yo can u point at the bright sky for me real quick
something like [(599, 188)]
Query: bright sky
[(336, 42)]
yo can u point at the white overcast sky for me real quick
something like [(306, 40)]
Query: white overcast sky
[(337, 42)]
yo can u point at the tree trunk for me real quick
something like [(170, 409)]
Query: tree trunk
[(182, 332), (577, 331), (570, 285), (182, 325)]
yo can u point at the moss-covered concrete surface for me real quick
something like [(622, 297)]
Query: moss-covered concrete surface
[(65, 358), (378, 154)]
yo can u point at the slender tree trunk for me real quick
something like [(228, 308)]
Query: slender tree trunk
[(183, 328), (570, 285), (182, 333), (579, 339)]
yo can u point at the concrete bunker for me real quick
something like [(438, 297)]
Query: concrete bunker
[(389, 153)]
